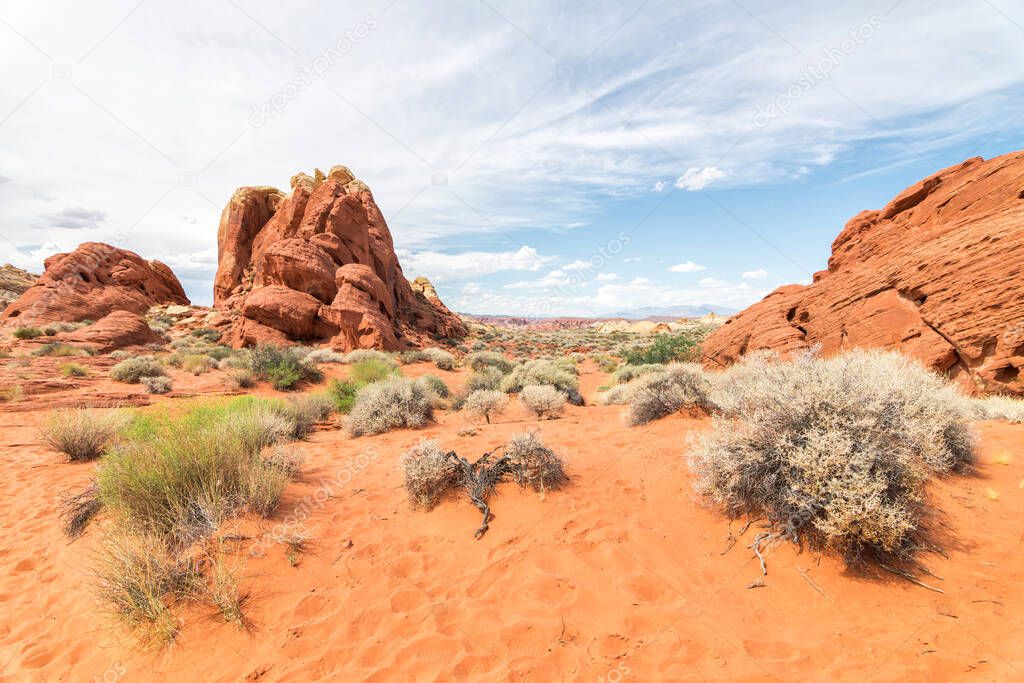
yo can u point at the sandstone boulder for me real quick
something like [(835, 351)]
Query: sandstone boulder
[(319, 265), (935, 274), (114, 331), (91, 282)]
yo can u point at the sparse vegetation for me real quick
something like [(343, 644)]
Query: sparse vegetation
[(343, 393), (996, 408), (27, 333), (434, 385), (546, 402), (325, 356), (60, 349), (82, 433), (359, 355), (486, 377), (241, 379), (835, 451), (390, 404), (628, 373), (73, 370), (197, 364)]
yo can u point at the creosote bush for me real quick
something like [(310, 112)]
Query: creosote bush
[(485, 403), (390, 404), (544, 401), (833, 451), (657, 395), (132, 370), (82, 433)]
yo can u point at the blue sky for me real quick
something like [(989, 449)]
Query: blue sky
[(531, 158)]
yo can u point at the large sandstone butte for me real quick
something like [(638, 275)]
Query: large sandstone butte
[(319, 265), (92, 282), (935, 274)]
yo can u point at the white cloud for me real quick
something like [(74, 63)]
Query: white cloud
[(712, 282), (758, 274), (606, 277), (698, 178), (659, 186), (687, 267), (436, 265), (471, 288)]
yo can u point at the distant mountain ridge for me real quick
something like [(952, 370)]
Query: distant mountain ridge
[(673, 312)]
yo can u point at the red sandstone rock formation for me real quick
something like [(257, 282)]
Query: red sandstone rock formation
[(90, 283), (935, 274), (319, 265), (114, 331)]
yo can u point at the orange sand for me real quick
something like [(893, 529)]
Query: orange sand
[(619, 577)]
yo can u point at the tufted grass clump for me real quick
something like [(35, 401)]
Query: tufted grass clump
[(370, 370), (179, 479), (60, 350), (197, 364), (390, 404), (836, 451), (73, 370), (82, 433), (132, 370), (343, 392), (27, 333)]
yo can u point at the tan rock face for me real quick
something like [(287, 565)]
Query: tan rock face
[(319, 265), (936, 274), (13, 282), (90, 283)]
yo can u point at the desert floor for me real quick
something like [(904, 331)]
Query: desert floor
[(621, 576)]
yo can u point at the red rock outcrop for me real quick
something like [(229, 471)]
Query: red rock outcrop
[(114, 331), (319, 265), (91, 282), (935, 274)]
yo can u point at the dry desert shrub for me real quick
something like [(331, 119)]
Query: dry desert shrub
[(429, 474), (657, 395), (628, 373), (620, 394), (197, 364), (132, 370), (535, 465), (551, 373), (488, 359), (996, 408), (156, 384), (484, 403), (390, 404), (434, 384), (360, 355), (544, 401), (137, 578), (442, 359), (325, 356), (486, 377), (833, 451), (82, 433)]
